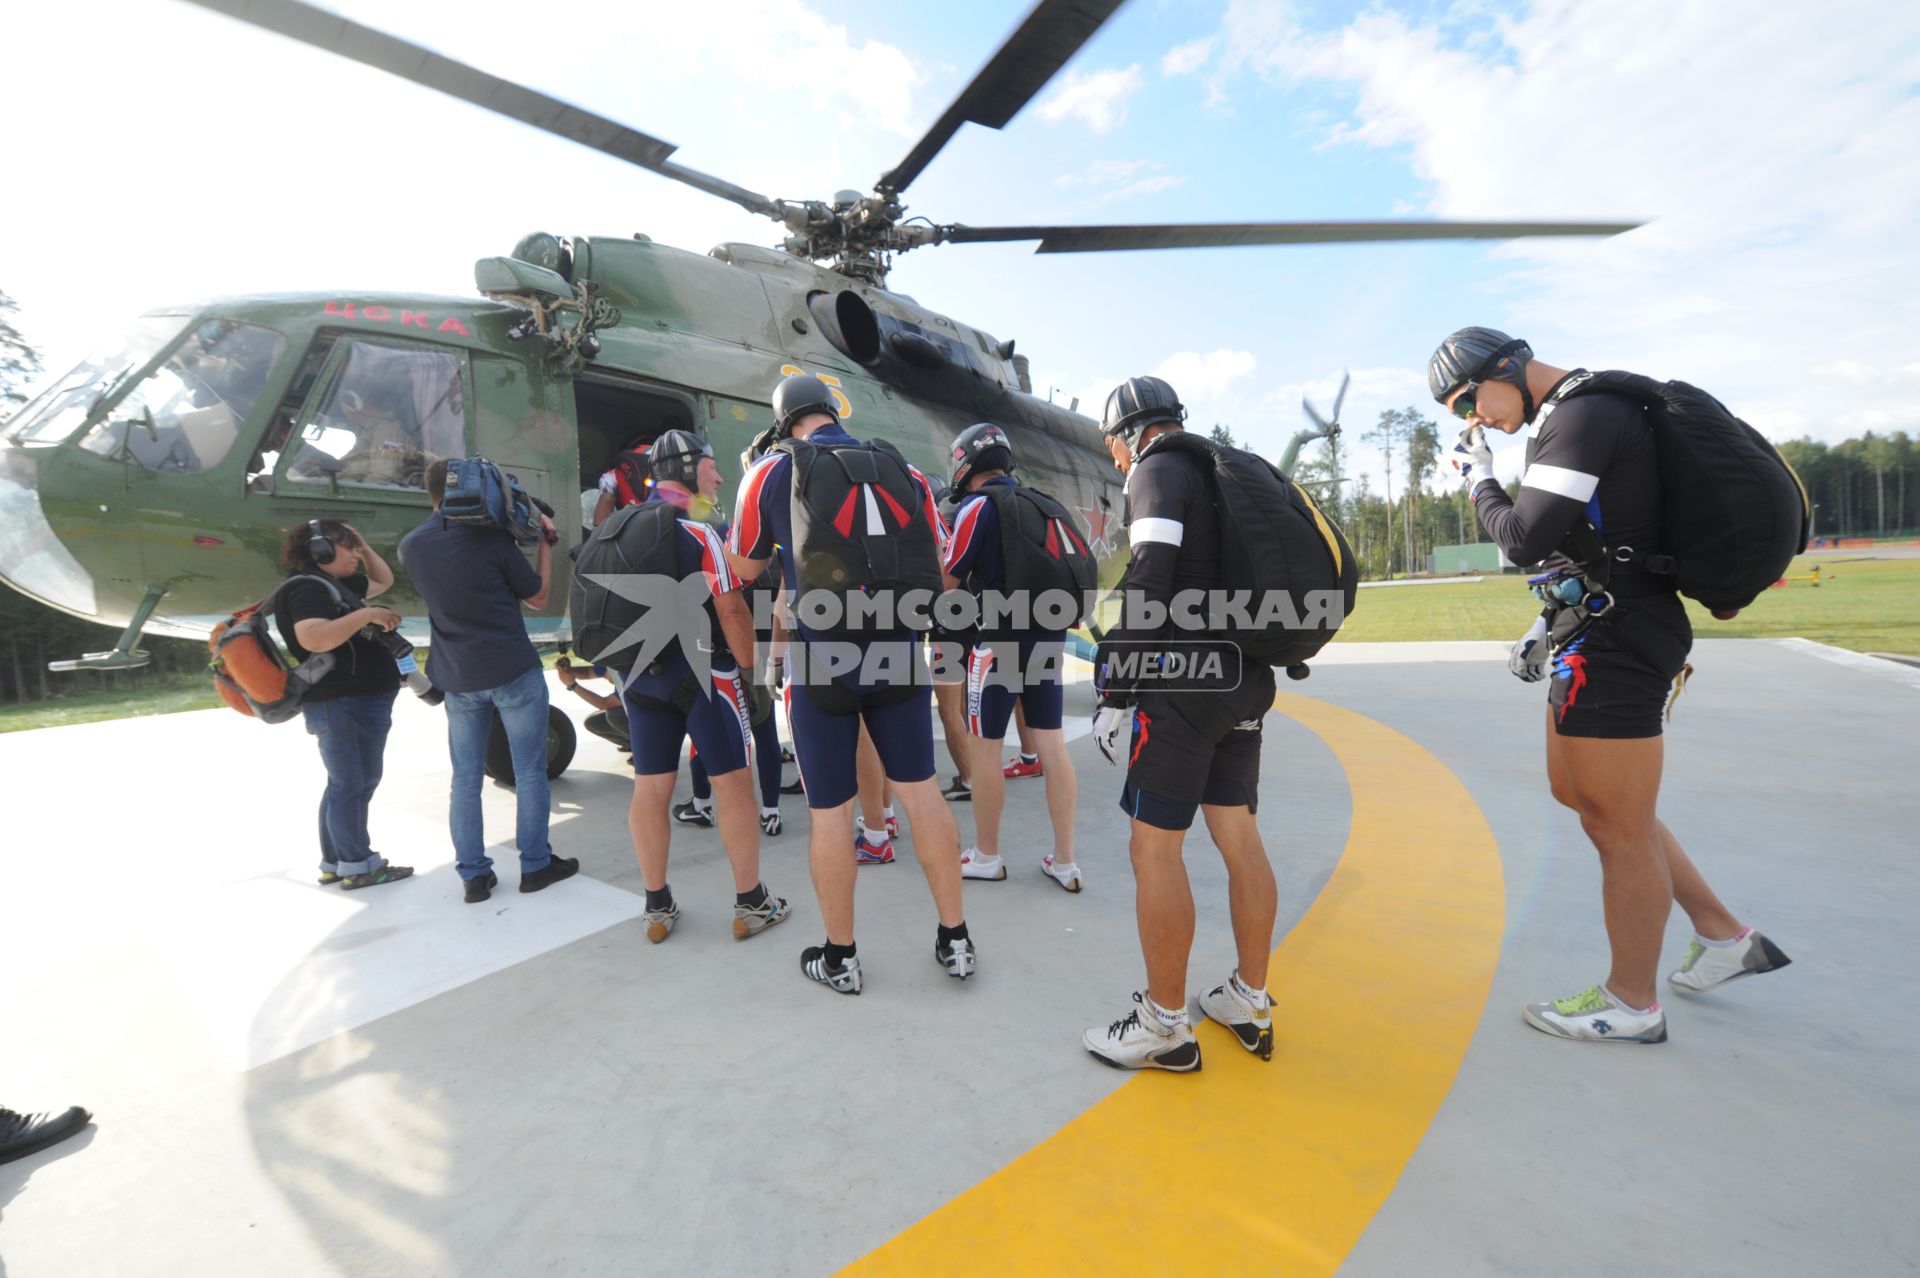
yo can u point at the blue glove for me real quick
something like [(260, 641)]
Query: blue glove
[(1471, 459), (1527, 659)]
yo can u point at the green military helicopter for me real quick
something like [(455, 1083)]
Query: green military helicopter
[(150, 486)]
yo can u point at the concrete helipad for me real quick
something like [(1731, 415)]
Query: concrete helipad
[(296, 1081)]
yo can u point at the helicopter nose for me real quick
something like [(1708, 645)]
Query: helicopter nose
[(32, 559)]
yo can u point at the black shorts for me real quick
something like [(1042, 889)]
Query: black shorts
[(1613, 681), (1190, 748)]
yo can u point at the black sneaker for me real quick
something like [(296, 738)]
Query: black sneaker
[(691, 813), (770, 823), (373, 878), (481, 888), (556, 868), (841, 980), (957, 791), (957, 956), (23, 1134)]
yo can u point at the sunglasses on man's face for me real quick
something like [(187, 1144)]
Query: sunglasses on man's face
[(1463, 406)]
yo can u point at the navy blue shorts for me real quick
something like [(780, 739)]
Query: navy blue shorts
[(995, 680), (719, 726), (825, 745)]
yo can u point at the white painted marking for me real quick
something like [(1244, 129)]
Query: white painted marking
[(1577, 484), (1891, 670)]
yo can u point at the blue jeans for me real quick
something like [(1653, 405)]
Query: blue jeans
[(352, 735), (522, 705)]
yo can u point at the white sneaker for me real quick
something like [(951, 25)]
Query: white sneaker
[(974, 865), (660, 922), (1596, 1016), (1139, 1041), (958, 956), (841, 980), (1067, 876), (1710, 966), (1253, 1026)]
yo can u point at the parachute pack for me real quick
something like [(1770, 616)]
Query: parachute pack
[(1735, 513), (1275, 540), (253, 672), (1040, 546), (858, 524), (641, 539), (479, 492)]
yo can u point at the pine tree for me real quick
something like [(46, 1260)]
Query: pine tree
[(19, 361)]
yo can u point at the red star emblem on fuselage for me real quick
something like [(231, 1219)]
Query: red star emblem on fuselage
[(1098, 542)]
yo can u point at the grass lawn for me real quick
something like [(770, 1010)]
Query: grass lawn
[(1866, 604), (167, 696)]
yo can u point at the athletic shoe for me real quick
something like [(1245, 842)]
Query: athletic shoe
[(692, 813), (893, 827), (1711, 966), (751, 920), (865, 853), (23, 1134), (1253, 1026), (1067, 876), (841, 980), (1022, 766), (1137, 1041), (374, 878), (958, 956), (328, 878), (1597, 1017), (786, 754), (660, 922), (769, 823), (957, 791), (556, 868), (976, 865), (481, 888)]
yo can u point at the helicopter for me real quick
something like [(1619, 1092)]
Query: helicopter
[(150, 486)]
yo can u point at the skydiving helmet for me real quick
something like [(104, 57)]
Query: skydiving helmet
[(980, 447), (1480, 355), (676, 457), (1137, 403), (798, 395)]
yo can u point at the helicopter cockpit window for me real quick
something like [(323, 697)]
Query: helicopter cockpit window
[(390, 412), (184, 415), (59, 410)]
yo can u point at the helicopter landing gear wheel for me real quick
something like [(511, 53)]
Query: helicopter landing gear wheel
[(561, 740)]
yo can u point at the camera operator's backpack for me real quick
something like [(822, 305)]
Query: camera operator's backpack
[(479, 492), (253, 672), (1734, 513), (859, 524), (1273, 540)]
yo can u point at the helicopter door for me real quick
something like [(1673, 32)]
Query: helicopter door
[(615, 414), (385, 412)]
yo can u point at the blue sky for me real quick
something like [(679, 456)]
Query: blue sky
[(160, 152)]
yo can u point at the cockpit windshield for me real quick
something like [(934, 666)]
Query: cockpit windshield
[(186, 414), (59, 410)]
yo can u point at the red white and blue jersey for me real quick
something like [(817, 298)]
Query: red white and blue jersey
[(974, 547)]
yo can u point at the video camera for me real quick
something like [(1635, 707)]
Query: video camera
[(479, 492)]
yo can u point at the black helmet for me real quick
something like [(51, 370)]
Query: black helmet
[(980, 447), (1479, 355), (1137, 403), (800, 394), (758, 447), (676, 456)]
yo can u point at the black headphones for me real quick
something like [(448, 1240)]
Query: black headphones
[(319, 549)]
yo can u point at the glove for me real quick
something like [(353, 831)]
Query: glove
[(776, 673), (1108, 723), (1471, 458), (1528, 656), (759, 703)]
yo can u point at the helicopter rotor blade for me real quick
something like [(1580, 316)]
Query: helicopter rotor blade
[(1340, 396), (1031, 56), (332, 33), (1313, 415), (1101, 239)]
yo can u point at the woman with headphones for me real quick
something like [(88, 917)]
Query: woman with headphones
[(350, 710)]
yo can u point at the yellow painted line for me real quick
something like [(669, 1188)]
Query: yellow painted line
[(1273, 1168)]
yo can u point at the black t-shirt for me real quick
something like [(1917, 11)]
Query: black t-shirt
[(473, 578), (361, 667)]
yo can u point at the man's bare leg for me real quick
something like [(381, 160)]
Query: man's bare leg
[(951, 698), (989, 793), (737, 812), (1710, 919), (871, 776), (830, 856), (1163, 906), (1063, 788), (647, 823), (1615, 785), (936, 841), (1251, 893)]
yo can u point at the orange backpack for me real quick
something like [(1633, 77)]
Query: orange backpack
[(253, 672)]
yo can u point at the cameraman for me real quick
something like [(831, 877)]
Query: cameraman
[(351, 709), (474, 580)]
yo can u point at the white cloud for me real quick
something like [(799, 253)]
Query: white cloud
[(1105, 173), (1098, 98), (1187, 58), (1201, 378), (1772, 146), (1146, 186)]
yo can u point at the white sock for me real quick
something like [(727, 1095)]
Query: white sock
[(1172, 1020), (1727, 944), (767, 812), (1256, 997), (874, 836), (1625, 1006), (703, 805), (982, 858), (887, 812)]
